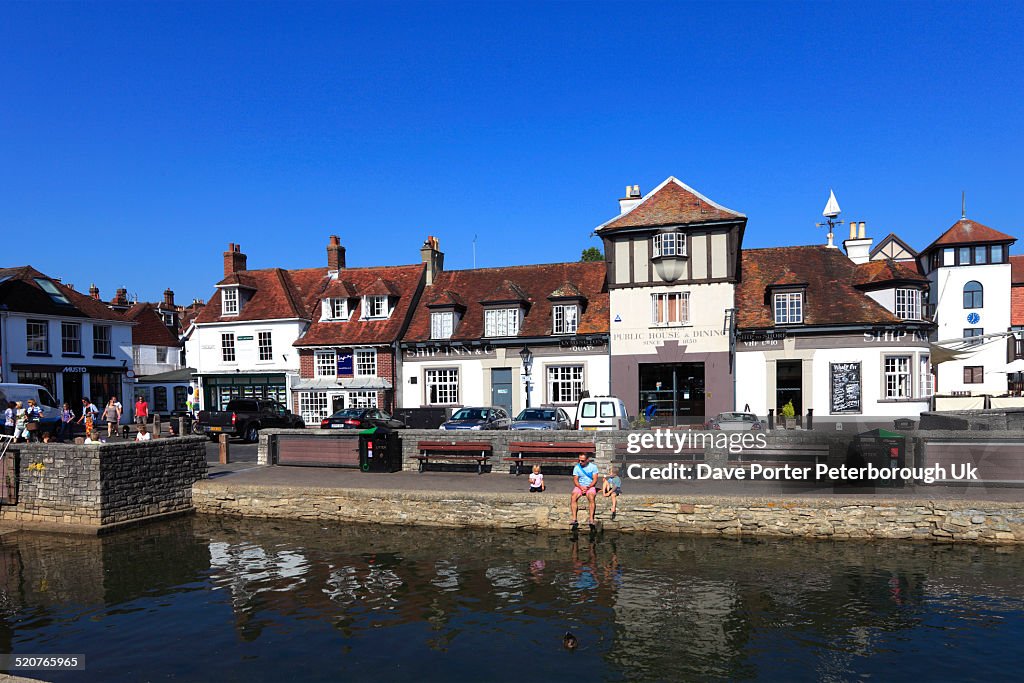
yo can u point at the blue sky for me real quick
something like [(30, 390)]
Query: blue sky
[(138, 139)]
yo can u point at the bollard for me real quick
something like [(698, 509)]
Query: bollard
[(810, 418), (771, 418), (222, 440), (156, 425), (181, 427)]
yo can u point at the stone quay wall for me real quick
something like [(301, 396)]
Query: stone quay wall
[(100, 486), (820, 518)]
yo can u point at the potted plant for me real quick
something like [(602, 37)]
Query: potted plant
[(789, 414)]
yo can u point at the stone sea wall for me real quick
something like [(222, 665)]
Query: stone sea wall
[(822, 518)]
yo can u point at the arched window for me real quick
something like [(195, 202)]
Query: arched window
[(974, 295)]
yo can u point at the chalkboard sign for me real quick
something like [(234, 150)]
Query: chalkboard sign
[(845, 388)]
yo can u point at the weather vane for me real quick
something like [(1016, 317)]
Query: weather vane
[(830, 213)]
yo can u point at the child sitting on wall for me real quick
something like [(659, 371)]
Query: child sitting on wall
[(612, 488)]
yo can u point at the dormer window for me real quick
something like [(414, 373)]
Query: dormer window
[(565, 318), (908, 304), (442, 324), (335, 309), (229, 301), (669, 244), (501, 322), (376, 306), (789, 308)]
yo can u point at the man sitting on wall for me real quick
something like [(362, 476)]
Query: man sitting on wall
[(584, 478)]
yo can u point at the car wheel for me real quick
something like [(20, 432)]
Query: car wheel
[(252, 434)]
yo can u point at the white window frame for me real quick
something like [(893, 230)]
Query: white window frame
[(565, 318), (502, 322), (564, 383), (662, 305), (360, 399), (364, 362), (668, 244), (265, 345), (313, 406), (908, 304), (441, 386), (376, 306), (785, 314), (442, 324), (926, 381), (897, 377), (161, 351), (335, 308), (102, 340), (325, 363), (39, 341), (227, 348), (229, 303), (76, 338)]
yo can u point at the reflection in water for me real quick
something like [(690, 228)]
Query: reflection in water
[(205, 599)]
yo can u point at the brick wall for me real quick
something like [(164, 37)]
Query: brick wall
[(1017, 305), (305, 362)]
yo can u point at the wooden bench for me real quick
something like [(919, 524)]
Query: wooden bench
[(687, 455), (793, 455), (454, 451), (547, 452)]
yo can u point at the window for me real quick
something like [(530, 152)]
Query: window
[(566, 319), (974, 295), (442, 386), (326, 364), (366, 362), (948, 257), (565, 383), (168, 319), (160, 399), (44, 379), (908, 304), (180, 398), (37, 336), (971, 332), (161, 354), (442, 325), (229, 299), (101, 340), (137, 356), (789, 308), (265, 345), (227, 347), (502, 322), (897, 377), (362, 399), (71, 339), (964, 255), (670, 309), (981, 255), (997, 253), (335, 309), (376, 307), (927, 380), (669, 244), (313, 406), (974, 374), (52, 291)]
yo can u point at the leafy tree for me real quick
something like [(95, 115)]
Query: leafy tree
[(591, 254)]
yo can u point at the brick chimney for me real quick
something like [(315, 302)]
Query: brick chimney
[(94, 291), (431, 254), (335, 254), (169, 298), (632, 198), (120, 297), (234, 259)]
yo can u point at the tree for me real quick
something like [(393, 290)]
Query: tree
[(591, 254)]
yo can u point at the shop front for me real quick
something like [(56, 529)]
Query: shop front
[(71, 383), (218, 390)]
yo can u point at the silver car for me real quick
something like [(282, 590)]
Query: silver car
[(736, 422), (542, 418)]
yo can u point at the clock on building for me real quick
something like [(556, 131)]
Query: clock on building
[(973, 318)]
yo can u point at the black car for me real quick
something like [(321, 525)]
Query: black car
[(360, 418)]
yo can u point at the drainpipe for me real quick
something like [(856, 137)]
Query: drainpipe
[(4, 315)]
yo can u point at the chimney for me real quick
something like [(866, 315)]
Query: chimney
[(335, 254), (431, 254), (632, 198), (234, 259), (94, 291), (858, 247), (169, 298)]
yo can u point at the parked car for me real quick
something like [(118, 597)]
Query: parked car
[(24, 392), (542, 418), (601, 412), (245, 417), (360, 418), (488, 417), (736, 422)]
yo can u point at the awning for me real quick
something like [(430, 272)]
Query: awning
[(962, 348), (345, 383)]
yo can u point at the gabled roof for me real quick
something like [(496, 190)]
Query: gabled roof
[(20, 292), (832, 298), (898, 245), (277, 294), (788, 278), (671, 203), (340, 289), (149, 329), (506, 292), (1017, 270), (567, 291), (401, 282), (536, 282), (887, 271), (443, 298), (966, 231)]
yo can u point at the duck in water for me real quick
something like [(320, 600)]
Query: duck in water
[(569, 641)]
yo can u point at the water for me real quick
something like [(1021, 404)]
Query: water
[(206, 599)]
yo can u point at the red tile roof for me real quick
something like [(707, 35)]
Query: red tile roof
[(832, 297), (536, 283), (966, 231), (277, 294), (1017, 270), (403, 281), (884, 270), (149, 327), (671, 203), (23, 293)]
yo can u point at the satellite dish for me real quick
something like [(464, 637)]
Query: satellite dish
[(832, 207)]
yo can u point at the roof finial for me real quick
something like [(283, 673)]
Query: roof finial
[(963, 205)]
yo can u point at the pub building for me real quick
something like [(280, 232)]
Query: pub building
[(673, 261)]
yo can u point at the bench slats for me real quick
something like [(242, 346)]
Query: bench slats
[(478, 451)]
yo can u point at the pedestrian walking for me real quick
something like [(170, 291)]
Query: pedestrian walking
[(67, 417), (141, 411), (9, 412), (110, 417)]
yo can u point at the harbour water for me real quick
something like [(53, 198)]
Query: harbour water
[(210, 599)]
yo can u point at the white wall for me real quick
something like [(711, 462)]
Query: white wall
[(635, 333), (147, 357), (204, 347)]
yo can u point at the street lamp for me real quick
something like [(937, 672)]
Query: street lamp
[(527, 357)]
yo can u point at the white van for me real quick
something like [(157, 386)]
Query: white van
[(601, 412), (39, 394)]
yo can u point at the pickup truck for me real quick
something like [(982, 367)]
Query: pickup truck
[(245, 417)]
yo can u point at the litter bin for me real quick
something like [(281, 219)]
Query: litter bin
[(380, 450), (884, 450)]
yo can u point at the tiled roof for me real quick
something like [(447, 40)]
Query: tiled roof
[(535, 282), (149, 327), (832, 298), (444, 297), (1017, 270), (277, 294), (884, 270), (404, 281), (671, 203), (380, 287), (19, 291), (567, 291), (340, 289), (506, 291), (966, 231), (788, 277)]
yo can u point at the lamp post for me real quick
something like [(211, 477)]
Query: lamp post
[(527, 357)]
